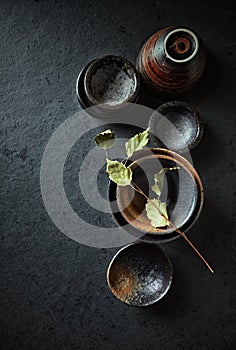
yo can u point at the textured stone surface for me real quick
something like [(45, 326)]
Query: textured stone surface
[(53, 290)]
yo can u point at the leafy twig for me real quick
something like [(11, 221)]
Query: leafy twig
[(122, 176), (176, 229)]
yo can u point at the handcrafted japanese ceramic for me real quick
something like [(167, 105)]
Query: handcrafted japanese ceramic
[(140, 274), (172, 60), (111, 81), (185, 131), (183, 193)]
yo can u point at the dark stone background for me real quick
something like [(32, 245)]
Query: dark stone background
[(53, 290)]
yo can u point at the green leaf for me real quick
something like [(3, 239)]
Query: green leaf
[(105, 139), (137, 142), (159, 180), (118, 173), (153, 214)]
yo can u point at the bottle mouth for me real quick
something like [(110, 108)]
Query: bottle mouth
[(181, 45)]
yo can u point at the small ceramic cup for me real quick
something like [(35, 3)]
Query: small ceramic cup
[(109, 83), (181, 129)]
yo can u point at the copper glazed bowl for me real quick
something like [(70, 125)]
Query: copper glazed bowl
[(140, 274), (183, 193)]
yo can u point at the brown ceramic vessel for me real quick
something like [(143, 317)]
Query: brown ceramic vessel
[(140, 274), (172, 60), (183, 191)]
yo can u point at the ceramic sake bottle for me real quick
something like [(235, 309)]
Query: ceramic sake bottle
[(172, 60)]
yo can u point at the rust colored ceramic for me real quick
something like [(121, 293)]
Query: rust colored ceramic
[(184, 202), (140, 274), (172, 60)]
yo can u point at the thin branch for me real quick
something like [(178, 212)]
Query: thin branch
[(126, 160), (138, 190), (106, 153), (175, 228), (135, 188)]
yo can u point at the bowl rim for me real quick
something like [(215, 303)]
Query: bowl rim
[(79, 88), (161, 250)]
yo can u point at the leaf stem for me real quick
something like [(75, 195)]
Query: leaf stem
[(142, 193), (183, 234), (106, 153), (126, 162)]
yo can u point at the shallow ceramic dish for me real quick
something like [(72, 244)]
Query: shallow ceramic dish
[(183, 193), (140, 274), (184, 130)]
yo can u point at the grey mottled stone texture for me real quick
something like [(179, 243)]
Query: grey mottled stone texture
[(53, 290)]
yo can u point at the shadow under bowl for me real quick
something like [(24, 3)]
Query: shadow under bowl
[(140, 274)]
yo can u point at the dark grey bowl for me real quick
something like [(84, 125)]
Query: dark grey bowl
[(111, 81), (140, 274), (182, 116)]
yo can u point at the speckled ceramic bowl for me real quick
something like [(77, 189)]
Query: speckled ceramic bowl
[(186, 128), (111, 81), (140, 274)]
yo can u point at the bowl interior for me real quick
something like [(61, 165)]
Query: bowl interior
[(183, 128), (180, 192), (111, 81), (140, 274), (181, 45)]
